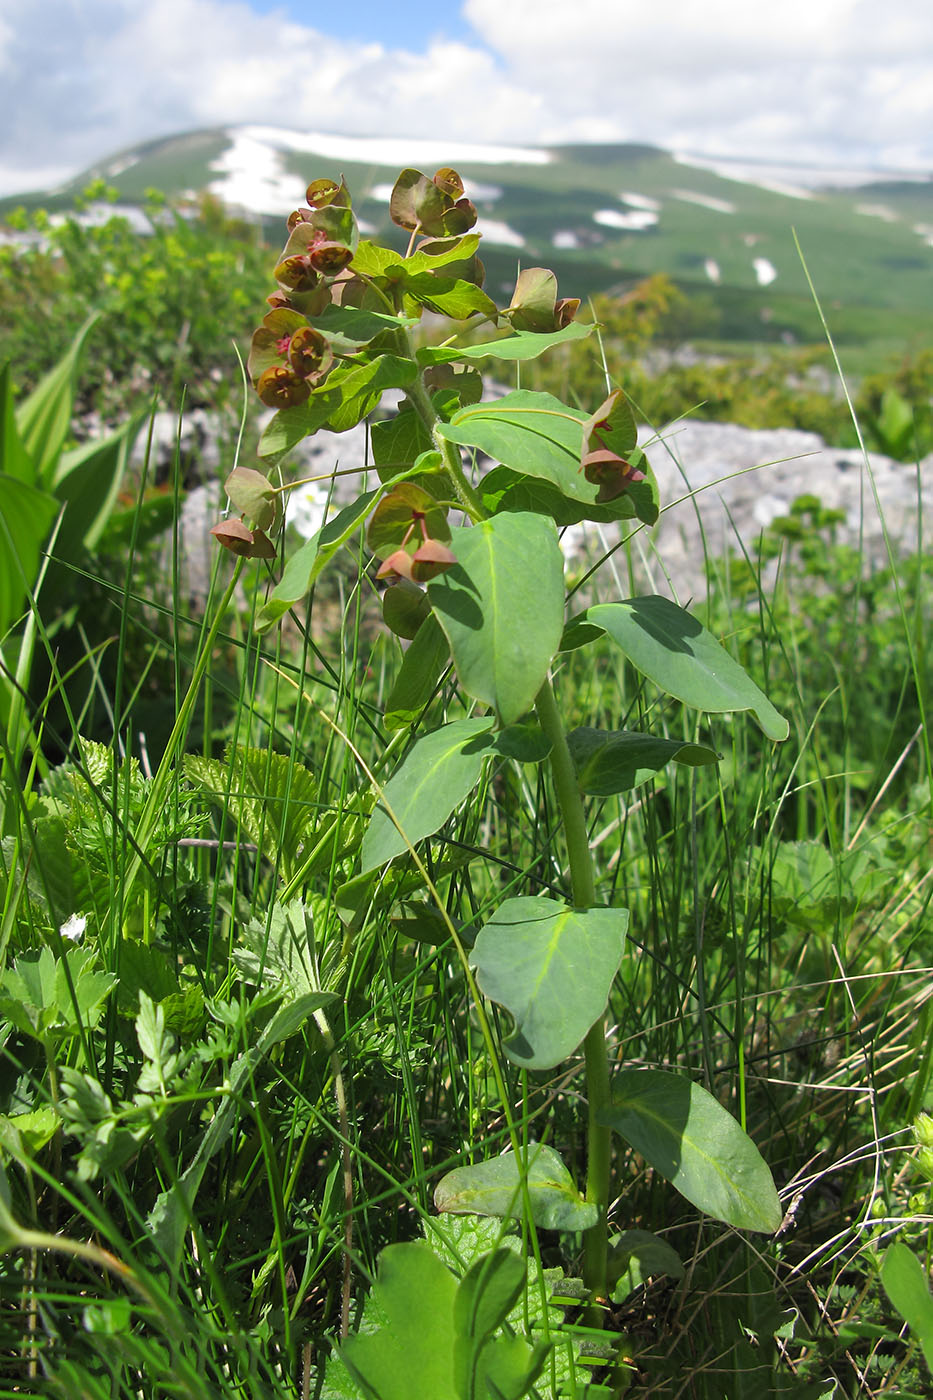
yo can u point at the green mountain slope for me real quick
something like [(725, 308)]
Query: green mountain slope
[(602, 215)]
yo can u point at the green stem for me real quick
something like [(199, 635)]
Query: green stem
[(583, 887), (420, 400)]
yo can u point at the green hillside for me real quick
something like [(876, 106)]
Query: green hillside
[(868, 249)]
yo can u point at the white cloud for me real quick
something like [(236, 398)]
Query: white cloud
[(806, 79), (831, 81)]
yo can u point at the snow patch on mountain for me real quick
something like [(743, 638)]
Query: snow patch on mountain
[(494, 231), (705, 201), (636, 219)]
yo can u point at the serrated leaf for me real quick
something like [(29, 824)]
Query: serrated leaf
[(279, 950), (495, 1188), (433, 779), (143, 968), (611, 761), (551, 967), (675, 651), (184, 1010), (687, 1136), (150, 1030), (269, 795), (501, 607)]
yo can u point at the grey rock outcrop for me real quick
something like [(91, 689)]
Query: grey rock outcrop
[(725, 484), (720, 486)]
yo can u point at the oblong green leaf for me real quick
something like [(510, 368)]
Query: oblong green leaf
[(610, 761), (908, 1288), (495, 1188), (308, 562), (502, 609), (532, 433), (432, 780), (88, 481), (523, 345), (687, 1136), (14, 459), (422, 667), (676, 652), (26, 517), (504, 489), (44, 418), (905, 1281), (551, 967)]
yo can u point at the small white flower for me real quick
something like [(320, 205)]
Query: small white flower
[(73, 928)]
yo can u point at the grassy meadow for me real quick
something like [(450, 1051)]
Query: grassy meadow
[(233, 1072)]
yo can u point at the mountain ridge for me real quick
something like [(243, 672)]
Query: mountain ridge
[(599, 215)]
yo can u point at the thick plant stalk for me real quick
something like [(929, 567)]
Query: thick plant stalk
[(583, 887)]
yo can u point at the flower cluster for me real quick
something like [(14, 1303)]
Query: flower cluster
[(408, 531)]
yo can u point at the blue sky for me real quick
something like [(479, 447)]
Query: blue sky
[(833, 82), (398, 25)]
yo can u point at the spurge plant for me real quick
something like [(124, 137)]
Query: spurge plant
[(485, 593)]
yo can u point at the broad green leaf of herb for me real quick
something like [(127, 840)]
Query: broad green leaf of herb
[(437, 774), (552, 968), (502, 609), (675, 651), (687, 1136), (268, 795), (497, 1187)]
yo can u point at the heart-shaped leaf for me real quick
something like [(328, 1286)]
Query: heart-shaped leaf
[(551, 967)]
